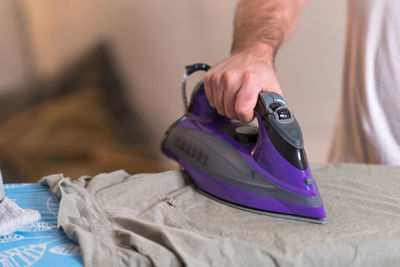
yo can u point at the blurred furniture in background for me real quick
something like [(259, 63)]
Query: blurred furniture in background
[(78, 123)]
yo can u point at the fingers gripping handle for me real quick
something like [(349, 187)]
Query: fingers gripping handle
[(268, 102)]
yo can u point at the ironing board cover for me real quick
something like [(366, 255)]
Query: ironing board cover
[(40, 243)]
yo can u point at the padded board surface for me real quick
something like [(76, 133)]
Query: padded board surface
[(40, 243)]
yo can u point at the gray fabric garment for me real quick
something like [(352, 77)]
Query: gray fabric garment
[(161, 220)]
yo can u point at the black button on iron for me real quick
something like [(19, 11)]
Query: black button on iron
[(284, 114), (274, 106)]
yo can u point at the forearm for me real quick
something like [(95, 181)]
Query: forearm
[(264, 24)]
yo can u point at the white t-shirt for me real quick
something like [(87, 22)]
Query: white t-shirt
[(368, 126)]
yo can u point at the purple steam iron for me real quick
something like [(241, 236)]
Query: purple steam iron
[(259, 169)]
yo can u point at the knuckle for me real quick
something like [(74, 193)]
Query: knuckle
[(207, 79), (207, 76), (248, 77), (216, 78), (227, 77)]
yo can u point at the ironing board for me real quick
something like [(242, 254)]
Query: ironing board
[(40, 243)]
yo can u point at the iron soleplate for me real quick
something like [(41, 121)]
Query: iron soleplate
[(263, 212)]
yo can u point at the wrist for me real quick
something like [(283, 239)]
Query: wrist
[(262, 51)]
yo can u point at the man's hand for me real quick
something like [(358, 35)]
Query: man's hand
[(232, 86), (261, 26)]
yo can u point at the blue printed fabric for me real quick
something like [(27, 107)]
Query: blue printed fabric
[(40, 243)]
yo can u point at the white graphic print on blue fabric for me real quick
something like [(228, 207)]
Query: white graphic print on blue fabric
[(40, 242)]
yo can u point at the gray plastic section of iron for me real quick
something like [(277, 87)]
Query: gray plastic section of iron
[(291, 132), (227, 165), (268, 98), (262, 212), (288, 129)]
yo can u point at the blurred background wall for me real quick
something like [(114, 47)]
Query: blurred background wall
[(149, 43)]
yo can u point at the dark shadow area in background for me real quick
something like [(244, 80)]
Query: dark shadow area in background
[(77, 123)]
